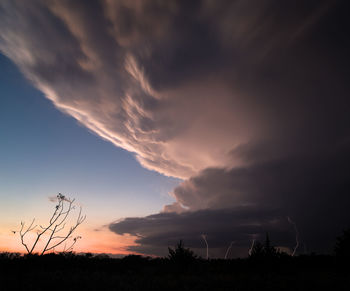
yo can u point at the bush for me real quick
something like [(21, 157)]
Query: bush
[(342, 246), (181, 255), (264, 251)]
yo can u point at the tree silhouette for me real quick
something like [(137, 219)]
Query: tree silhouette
[(257, 250), (264, 251), (180, 254), (342, 246), (270, 251), (53, 229)]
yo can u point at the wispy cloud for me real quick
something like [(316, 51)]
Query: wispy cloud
[(172, 94)]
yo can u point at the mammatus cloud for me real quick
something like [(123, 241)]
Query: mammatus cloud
[(133, 76), (246, 100), (162, 80)]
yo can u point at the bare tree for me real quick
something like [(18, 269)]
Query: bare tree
[(55, 229)]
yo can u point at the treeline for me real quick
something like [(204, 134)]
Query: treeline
[(265, 269), (85, 272)]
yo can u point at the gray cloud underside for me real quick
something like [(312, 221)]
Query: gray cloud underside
[(298, 166), (245, 100), (242, 204), (242, 224)]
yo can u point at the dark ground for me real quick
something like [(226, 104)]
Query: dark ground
[(86, 272)]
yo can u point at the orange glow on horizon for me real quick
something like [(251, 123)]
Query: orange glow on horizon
[(92, 241)]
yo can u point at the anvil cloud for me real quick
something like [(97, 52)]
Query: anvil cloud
[(247, 101)]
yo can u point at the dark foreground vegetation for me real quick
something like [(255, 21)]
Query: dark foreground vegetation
[(84, 272), (265, 269)]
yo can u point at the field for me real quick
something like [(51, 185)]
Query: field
[(88, 272)]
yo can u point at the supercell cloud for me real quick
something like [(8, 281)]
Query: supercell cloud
[(246, 101)]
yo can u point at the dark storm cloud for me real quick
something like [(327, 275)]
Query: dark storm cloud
[(247, 101), (245, 203), (240, 224)]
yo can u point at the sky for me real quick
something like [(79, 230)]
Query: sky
[(167, 120), (44, 151)]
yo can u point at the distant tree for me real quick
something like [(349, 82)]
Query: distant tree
[(52, 231), (270, 251), (264, 251), (180, 254), (9, 255), (257, 250), (342, 246)]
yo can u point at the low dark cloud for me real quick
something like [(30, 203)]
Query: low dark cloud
[(244, 203), (241, 224)]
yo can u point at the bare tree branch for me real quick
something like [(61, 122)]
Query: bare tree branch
[(71, 246), (79, 221), (57, 223), (23, 234)]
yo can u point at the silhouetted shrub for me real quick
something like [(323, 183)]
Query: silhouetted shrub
[(88, 255), (78, 272), (181, 255), (342, 246), (9, 256), (264, 251)]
